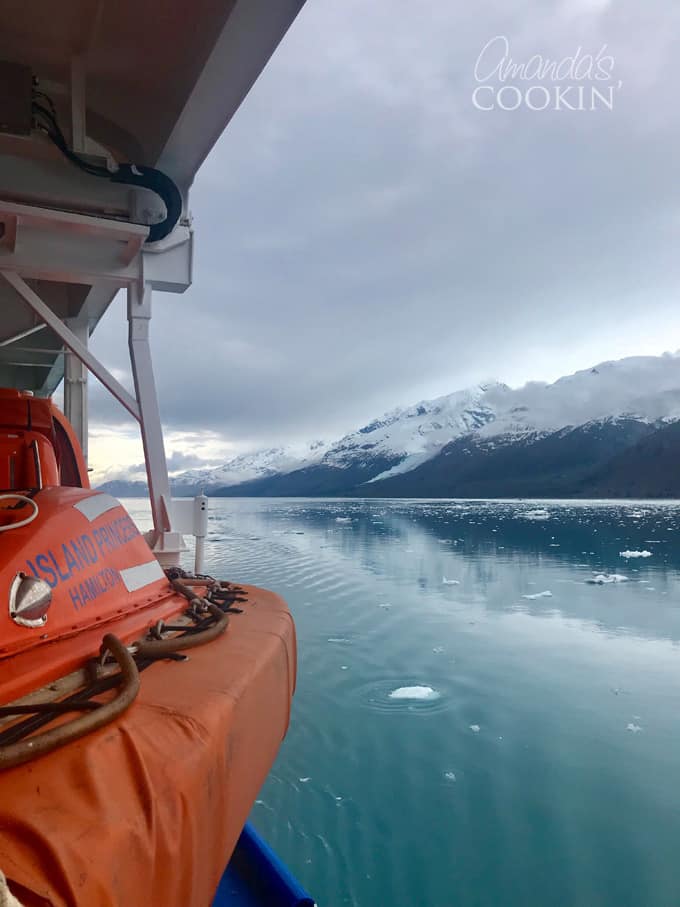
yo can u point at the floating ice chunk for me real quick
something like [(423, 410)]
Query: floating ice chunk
[(475, 728), (546, 594), (343, 667), (634, 728), (540, 513), (343, 519), (384, 605), (304, 780), (450, 776), (600, 579), (628, 554), (438, 650), (450, 582), (418, 692)]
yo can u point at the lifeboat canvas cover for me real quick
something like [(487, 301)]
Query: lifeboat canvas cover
[(148, 809)]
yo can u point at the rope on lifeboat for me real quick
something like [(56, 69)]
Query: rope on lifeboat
[(24, 750), (29, 519), (211, 618)]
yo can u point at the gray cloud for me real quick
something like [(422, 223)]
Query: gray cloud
[(365, 236)]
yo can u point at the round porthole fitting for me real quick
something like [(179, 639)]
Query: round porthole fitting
[(29, 600)]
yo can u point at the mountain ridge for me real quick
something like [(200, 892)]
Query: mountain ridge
[(486, 440)]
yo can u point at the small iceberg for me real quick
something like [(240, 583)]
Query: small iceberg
[(601, 579), (450, 582), (628, 554), (418, 692), (304, 780), (450, 776), (539, 514), (475, 728), (343, 519), (633, 728), (546, 594)]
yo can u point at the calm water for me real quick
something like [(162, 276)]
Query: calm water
[(544, 769)]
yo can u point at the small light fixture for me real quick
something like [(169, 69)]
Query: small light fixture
[(29, 599)]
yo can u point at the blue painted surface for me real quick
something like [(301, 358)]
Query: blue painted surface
[(256, 877)]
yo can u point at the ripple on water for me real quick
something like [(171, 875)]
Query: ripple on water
[(404, 695)]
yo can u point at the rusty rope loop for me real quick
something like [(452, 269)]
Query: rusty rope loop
[(152, 648), (15, 754), (211, 621)]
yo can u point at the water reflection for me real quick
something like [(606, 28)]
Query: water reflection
[(501, 554), (544, 771)]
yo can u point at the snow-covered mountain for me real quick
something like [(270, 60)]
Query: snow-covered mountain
[(247, 467), (612, 405), (641, 388)]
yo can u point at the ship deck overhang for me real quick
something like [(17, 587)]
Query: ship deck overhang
[(160, 83)]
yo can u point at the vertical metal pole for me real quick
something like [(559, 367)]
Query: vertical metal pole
[(75, 385), (78, 104), (200, 531), (167, 543)]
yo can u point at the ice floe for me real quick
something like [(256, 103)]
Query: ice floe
[(450, 582), (601, 579), (633, 728), (450, 776), (417, 692), (475, 728), (628, 554), (540, 513), (546, 594)]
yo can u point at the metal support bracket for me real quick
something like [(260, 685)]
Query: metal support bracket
[(75, 385), (61, 247), (70, 340), (167, 544)]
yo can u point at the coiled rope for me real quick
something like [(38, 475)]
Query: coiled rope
[(29, 519)]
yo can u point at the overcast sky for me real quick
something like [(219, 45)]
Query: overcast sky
[(367, 236)]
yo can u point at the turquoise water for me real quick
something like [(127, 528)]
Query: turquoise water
[(543, 768)]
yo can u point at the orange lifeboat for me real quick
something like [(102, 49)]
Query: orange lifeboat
[(140, 711)]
